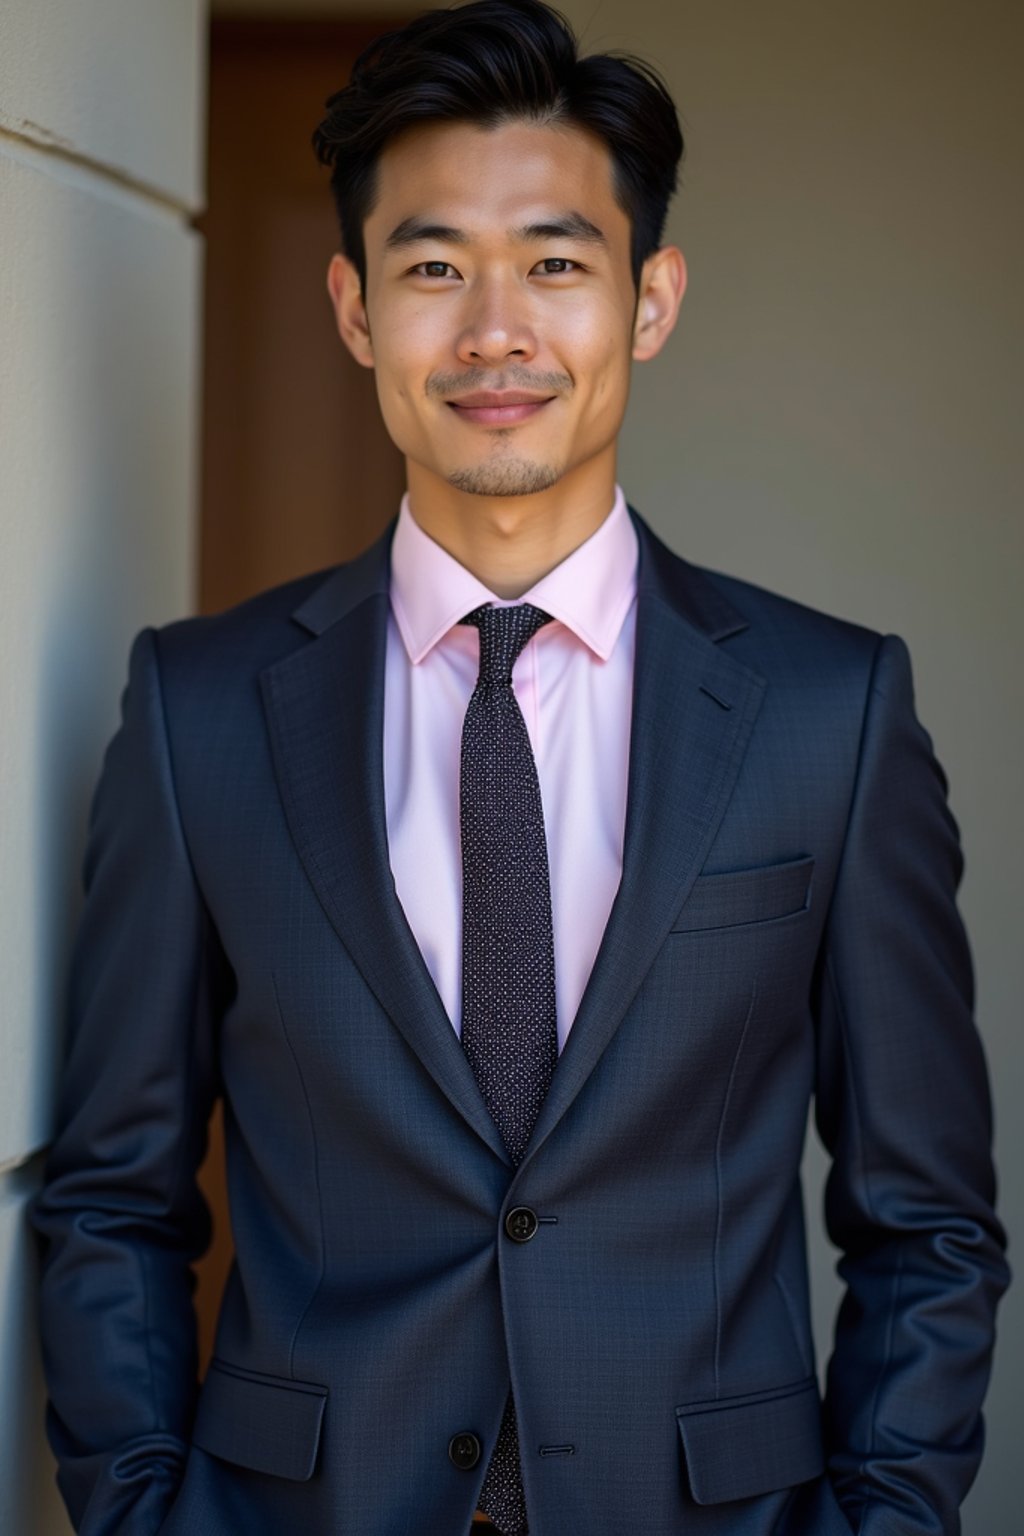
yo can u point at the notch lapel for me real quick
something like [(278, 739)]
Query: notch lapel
[(693, 710), (324, 705)]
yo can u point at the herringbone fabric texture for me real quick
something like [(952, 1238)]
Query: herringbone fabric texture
[(509, 1028)]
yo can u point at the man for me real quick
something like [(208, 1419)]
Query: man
[(518, 884)]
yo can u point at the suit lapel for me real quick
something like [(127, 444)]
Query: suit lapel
[(693, 709), (325, 711), (693, 712)]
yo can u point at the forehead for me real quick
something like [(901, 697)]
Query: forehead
[(484, 180)]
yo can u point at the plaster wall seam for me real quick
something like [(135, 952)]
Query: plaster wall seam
[(34, 145)]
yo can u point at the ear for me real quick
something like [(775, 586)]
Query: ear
[(662, 285), (349, 310)]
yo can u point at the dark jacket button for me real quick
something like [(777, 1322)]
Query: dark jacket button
[(464, 1449), (521, 1224)]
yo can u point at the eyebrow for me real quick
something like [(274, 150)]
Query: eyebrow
[(565, 226)]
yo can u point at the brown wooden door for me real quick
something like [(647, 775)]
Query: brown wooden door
[(297, 469)]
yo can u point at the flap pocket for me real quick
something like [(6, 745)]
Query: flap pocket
[(738, 1447), (747, 895), (267, 1423)]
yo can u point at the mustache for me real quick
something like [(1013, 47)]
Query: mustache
[(445, 384)]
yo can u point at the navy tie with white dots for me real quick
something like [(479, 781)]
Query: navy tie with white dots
[(509, 1028)]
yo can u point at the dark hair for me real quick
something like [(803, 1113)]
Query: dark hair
[(490, 62)]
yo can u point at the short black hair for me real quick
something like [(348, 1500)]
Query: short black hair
[(491, 62)]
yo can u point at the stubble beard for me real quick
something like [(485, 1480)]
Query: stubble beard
[(507, 477)]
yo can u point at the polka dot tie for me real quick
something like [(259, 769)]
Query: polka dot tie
[(508, 957)]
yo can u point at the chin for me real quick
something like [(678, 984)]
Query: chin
[(508, 477)]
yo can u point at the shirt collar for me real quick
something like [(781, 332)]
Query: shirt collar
[(590, 591)]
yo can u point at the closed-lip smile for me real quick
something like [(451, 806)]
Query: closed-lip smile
[(499, 407)]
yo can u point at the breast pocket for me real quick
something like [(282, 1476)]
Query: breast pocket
[(738, 896)]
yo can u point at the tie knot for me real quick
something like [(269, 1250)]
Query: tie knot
[(503, 633)]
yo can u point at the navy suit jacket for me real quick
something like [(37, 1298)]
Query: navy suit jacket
[(785, 929)]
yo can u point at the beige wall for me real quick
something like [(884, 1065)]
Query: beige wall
[(101, 140)]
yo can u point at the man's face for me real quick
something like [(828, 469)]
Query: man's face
[(498, 261)]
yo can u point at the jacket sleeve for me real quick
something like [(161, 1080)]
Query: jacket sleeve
[(119, 1217), (903, 1107)]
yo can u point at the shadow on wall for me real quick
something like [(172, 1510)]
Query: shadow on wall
[(27, 1469)]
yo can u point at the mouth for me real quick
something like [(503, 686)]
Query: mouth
[(491, 414)]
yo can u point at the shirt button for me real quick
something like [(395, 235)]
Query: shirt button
[(521, 1223), (464, 1449)]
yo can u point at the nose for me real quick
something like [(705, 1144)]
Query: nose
[(497, 326)]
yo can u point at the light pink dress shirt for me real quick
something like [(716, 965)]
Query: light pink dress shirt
[(573, 681)]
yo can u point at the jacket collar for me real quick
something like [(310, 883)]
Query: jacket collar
[(662, 575)]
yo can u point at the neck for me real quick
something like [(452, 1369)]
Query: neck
[(510, 542)]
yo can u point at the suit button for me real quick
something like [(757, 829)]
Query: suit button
[(521, 1224), (464, 1449)]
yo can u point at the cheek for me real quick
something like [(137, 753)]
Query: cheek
[(606, 371), (406, 349), (593, 340)]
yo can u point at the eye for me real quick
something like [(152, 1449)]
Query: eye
[(562, 264), (420, 272)]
